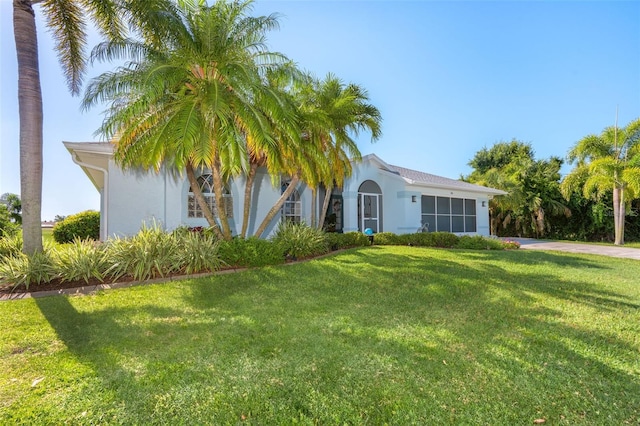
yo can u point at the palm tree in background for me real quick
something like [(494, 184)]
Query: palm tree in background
[(67, 21), (608, 162), (190, 104)]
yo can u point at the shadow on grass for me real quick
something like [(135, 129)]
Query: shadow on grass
[(367, 336)]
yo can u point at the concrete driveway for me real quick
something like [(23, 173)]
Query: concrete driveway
[(613, 251)]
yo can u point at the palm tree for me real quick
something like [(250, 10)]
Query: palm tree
[(190, 105), (611, 162), (67, 20)]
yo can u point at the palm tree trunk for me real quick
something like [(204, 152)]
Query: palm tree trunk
[(30, 109), (218, 187), (618, 215), (325, 206), (248, 191), (277, 206), (314, 204), (197, 192)]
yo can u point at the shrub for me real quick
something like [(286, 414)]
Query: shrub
[(84, 225), (149, 254), (386, 239), (198, 252), (81, 260), (11, 245), (250, 252), (478, 242), (299, 240), (27, 270), (510, 245), (348, 239)]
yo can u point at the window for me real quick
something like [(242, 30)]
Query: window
[(448, 214), (292, 207), (206, 186)]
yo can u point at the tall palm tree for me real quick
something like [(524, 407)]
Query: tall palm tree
[(611, 160), (67, 21), (190, 103), (331, 114), (337, 113)]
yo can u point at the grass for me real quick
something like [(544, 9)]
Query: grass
[(397, 335)]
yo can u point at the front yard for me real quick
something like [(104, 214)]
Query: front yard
[(399, 335)]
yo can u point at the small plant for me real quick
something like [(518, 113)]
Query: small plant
[(510, 245), (11, 245), (198, 252), (298, 240), (81, 260), (83, 225), (149, 254), (23, 270)]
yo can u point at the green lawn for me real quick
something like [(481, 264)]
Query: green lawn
[(397, 335)]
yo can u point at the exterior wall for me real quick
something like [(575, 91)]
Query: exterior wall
[(135, 198)]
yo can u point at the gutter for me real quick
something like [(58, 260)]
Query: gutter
[(105, 194)]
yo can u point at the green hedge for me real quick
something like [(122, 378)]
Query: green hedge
[(84, 225)]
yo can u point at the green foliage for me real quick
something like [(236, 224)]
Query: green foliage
[(149, 254), (10, 245), (346, 240), (478, 242), (7, 227), (81, 225), (299, 240), (429, 239), (13, 206), (386, 239), (81, 260), (250, 252), (198, 252), (533, 200), (23, 270)]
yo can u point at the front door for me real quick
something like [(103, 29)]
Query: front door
[(369, 209)]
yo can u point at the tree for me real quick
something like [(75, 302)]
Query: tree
[(532, 186), (189, 103), (66, 20), (13, 205), (608, 162)]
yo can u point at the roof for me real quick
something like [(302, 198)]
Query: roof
[(416, 177)]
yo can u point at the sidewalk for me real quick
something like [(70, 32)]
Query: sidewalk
[(612, 251)]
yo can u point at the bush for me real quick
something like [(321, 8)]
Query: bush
[(250, 252), (81, 260), (84, 225), (386, 239), (348, 239), (149, 254), (198, 252), (299, 240), (27, 270), (479, 242), (10, 246)]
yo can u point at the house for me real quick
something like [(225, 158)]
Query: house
[(377, 195)]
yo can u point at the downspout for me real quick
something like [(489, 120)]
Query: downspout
[(105, 195)]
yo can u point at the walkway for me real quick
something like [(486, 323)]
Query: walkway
[(613, 251)]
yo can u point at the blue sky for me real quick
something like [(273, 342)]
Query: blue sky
[(449, 78)]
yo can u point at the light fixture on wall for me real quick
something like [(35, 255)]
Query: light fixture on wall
[(484, 203), (413, 198)]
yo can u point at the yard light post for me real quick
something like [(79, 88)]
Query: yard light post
[(369, 233)]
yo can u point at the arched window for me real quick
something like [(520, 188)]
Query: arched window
[(369, 206), (292, 207), (206, 186)]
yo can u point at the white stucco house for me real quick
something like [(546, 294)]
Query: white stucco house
[(378, 195)]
